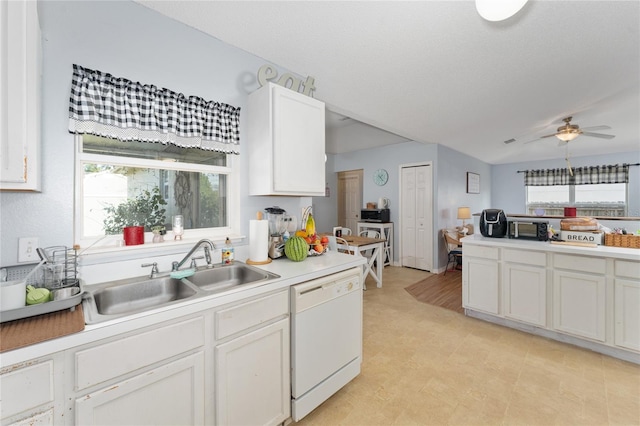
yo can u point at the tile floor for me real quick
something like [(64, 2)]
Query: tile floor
[(425, 365)]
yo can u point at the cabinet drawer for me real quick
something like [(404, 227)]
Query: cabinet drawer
[(481, 251), (537, 258), (110, 360), (628, 269), (594, 265), (26, 388), (242, 317)]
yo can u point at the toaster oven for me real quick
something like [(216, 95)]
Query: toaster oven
[(375, 215)]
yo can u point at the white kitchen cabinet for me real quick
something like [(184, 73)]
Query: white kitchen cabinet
[(20, 73), (481, 279), (524, 284), (133, 379), (252, 362), (579, 297), (286, 143), (627, 304), (172, 393), (32, 392)]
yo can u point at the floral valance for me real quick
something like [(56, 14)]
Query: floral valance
[(618, 173), (103, 105)]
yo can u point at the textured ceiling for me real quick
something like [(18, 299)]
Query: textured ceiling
[(436, 72)]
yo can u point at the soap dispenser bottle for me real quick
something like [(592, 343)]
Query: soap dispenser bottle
[(227, 252)]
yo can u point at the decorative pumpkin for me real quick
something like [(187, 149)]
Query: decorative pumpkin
[(296, 249)]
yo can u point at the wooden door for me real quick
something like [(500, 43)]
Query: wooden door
[(349, 198), (416, 218)]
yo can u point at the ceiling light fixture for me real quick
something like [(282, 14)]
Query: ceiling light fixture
[(567, 135), (498, 10)]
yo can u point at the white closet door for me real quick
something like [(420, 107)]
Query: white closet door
[(424, 234), (408, 211), (416, 217)]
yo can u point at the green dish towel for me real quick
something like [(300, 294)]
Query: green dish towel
[(182, 274)]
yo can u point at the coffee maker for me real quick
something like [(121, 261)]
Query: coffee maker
[(276, 217)]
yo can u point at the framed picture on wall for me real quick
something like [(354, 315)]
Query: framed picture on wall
[(473, 183)]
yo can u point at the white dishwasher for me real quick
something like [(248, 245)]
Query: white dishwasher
[(326, 337)]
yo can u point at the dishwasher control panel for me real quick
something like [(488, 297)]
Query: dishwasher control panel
[(316, 292)]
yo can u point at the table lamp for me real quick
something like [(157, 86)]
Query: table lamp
[(464, 213)]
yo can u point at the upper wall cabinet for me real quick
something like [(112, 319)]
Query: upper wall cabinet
[(20, 73), (286, 143)]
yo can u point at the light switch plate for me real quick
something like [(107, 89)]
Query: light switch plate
[(27, 249)]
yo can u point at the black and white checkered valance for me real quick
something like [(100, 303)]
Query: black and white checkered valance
[(103, 105), (589, 175)]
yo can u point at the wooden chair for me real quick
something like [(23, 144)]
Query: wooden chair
[(454, 250), (346, 231)]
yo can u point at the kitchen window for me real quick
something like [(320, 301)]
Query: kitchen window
[(604, 199), (195, 183)]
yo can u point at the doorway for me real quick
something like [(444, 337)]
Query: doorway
[(349, 198), (416, 216)]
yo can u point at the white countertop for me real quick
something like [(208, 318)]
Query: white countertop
[(291, 273), (602, 251)]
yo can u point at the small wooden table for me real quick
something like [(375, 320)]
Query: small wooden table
[(359, 245)]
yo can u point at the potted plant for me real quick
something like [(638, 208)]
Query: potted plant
[(138, 214)]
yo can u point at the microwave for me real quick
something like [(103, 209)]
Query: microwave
[(375, 215), (528, 230)]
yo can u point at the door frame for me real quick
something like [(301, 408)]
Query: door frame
[(434, 268), (359, 174)]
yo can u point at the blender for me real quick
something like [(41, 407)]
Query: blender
[(277, 226)]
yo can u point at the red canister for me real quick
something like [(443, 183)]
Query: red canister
[(133, 235), (570, 211)]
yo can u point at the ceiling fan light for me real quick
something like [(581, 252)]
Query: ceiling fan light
[(567, 136)]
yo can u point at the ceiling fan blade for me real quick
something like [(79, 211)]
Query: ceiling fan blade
[(547, 136), (596, 128), (598, 135)]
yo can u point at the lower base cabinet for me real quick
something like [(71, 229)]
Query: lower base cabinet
[(172, 393), (579, 304), (253, 378), (627, 321), (32, 394)]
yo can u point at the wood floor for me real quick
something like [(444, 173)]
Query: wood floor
[(440, 290)]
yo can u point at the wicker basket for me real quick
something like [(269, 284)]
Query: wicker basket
[(622, 240)]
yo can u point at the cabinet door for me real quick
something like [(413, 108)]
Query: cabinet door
[(31, 394), (525, 293), (169, 394), (579, 304), (253, 377), (627, 313), (480, 284), (20, 96), (298, 143)]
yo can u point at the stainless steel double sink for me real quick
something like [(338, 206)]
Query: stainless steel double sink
[(114, 299)]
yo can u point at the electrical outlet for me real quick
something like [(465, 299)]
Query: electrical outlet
[(27, 249)]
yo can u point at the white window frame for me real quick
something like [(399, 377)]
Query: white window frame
[(572, 197), (110, 243)]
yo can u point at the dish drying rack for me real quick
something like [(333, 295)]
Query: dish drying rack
[(57, 269)]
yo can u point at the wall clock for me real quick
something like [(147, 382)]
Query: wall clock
[(380, 177)]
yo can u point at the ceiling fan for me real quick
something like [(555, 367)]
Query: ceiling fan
[(569, 132)]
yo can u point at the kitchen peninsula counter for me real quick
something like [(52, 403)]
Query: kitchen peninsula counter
[(586, 296)]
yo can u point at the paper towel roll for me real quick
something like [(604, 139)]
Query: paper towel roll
[(258, 240)]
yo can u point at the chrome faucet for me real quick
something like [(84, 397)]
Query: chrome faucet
[(208, 247)]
